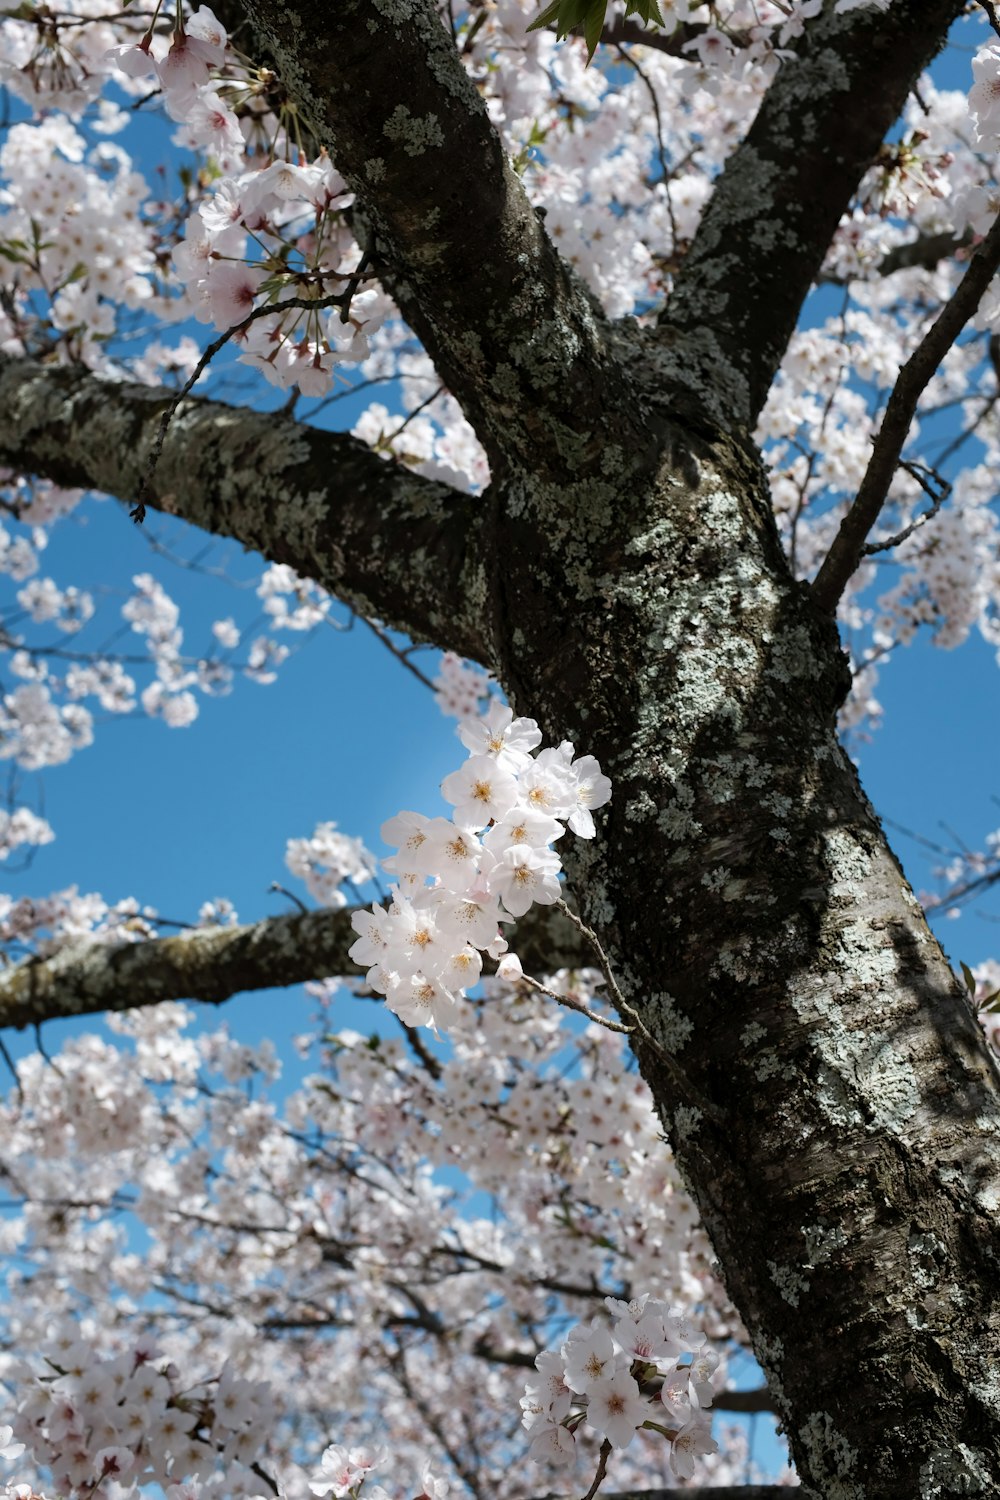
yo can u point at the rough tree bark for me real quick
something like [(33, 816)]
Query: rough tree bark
[(819, 1072)]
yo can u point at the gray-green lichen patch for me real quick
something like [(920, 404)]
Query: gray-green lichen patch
[(847, 859), (668, 1025), (687, 1119), (415, 133), (770, 1065), (928, 1256), (791, 1284), (955, 1470), (821, 1241), (397, 12), (831, 1459), (639, 808)]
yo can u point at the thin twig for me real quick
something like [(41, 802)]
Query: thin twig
[(848, 545), (938, 497), (310, 304), (595, 943), (282, 891), (991, 11), (398, 652), (577, 1005), (10, 1063), (421, 1051), (439, 390), (602, 1469), (638, 1024), (42, 1052)]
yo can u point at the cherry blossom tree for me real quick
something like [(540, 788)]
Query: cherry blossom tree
[(666, 313)]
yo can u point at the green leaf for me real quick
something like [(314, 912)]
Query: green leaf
[(568, 14), (593, 26), (548, 15), (646, 10), (969, 977)]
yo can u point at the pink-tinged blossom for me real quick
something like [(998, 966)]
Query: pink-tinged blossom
[(181, 73), (281, 182), (474, 917), (459, 685), (462, 969), (702, 1368), (311, 368), (341, 1469), (206, 36), (547, 785), (224, 210), (8, 1448), (134, 59), (421, 1001), (984, 96), (693, 1441), (431, 1486), (407, 832), (551, 1388), (675, 1394), (232, 288), (593, 789), (554, 1444), (588, 1355), (644, 1339), (213, 124), (451, 853), (633, 1309), (615, 1408), (412, 933), (509, 968), (113, 1463)]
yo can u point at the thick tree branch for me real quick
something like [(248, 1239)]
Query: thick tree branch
[(211, 964), (844, 555), (926, 252), (514, 334), (774, 210), (387, 541), (635, 34)]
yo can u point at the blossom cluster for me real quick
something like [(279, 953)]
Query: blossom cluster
[(490, 862), (291, 209), (460, 686), (345, 1471), (649, 1370), (329, 860), (103, 1426), (362, 1186)]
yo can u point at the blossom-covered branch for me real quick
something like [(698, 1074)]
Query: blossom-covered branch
[(447, 223), (770, 219), (212, 964)]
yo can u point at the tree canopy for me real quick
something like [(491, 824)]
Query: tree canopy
[(669, 336)]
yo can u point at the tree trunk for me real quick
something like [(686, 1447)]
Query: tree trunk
[(818, 1069)]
